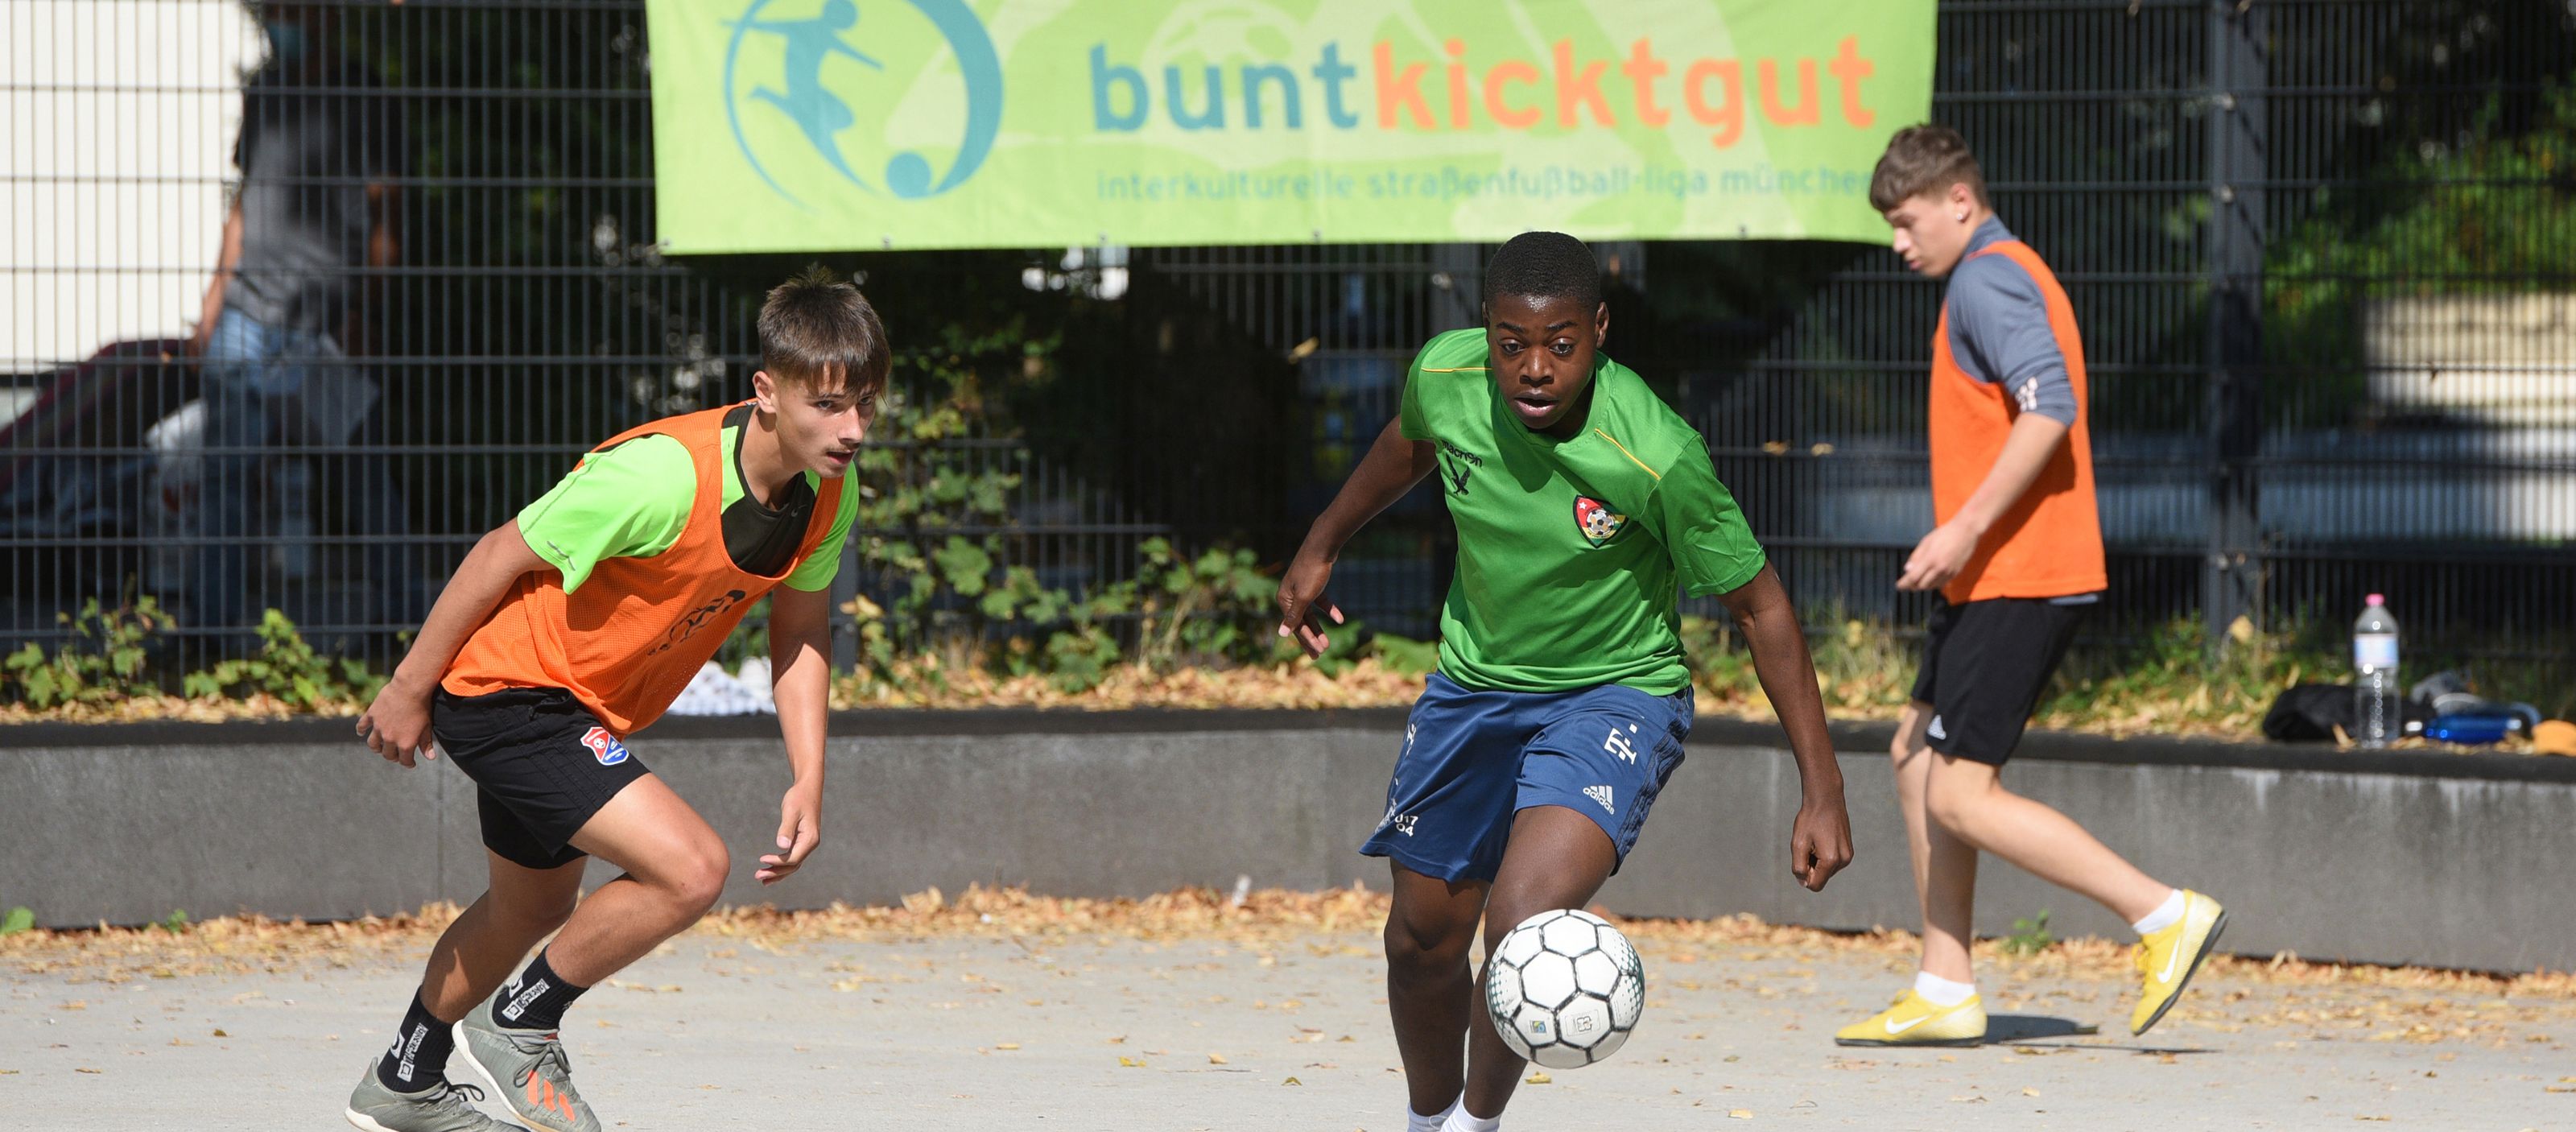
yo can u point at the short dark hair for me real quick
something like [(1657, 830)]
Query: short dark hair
[(818, 326), (1924, 159), (1548, 265)]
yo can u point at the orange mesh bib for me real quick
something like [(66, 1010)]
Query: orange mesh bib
[(638, 629), (2049, 542)]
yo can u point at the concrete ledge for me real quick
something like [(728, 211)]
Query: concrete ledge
[(1849, 736), (2449, 860)]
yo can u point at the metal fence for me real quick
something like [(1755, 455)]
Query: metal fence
[(2320, 252)]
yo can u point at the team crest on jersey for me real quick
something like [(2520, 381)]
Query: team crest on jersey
[(1596, 520), (604, 746)]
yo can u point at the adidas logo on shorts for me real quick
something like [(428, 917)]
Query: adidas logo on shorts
[(1600, 794)]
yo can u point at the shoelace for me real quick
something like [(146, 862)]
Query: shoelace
[(450, 1094), (2138, 958), (546, 1051)]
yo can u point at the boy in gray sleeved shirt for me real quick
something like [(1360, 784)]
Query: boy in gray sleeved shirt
[(2017, 558), (1999, 328)]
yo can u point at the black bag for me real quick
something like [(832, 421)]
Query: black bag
[(2309, 713)]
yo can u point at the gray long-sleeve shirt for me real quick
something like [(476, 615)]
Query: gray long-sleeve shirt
[(306, 158), (1999, 332)]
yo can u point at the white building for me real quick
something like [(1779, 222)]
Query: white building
[(113, 170)]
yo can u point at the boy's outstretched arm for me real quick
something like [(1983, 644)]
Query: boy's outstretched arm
[(1820, 841), (1391, 468), (800, 638), (396, 725)]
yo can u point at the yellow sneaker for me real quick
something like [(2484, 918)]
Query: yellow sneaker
[(1918, 1021), (2168, 957)]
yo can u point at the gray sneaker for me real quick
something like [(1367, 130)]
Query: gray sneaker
[(527, 1070), (442, 1107)]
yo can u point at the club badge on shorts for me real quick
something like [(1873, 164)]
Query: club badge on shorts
[(604, 746), (1595, 519)]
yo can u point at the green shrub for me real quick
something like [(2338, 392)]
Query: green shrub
[(932, 545), (2030, 936), (2491, 214), (102, 662), (288, 669)]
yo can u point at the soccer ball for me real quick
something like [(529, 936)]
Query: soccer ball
[(1564, 989)]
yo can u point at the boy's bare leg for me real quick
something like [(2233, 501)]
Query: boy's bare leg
[(675, 869), (1945, 868), (1557, 858), (1428, 983), (1968, 799), (479, 950)]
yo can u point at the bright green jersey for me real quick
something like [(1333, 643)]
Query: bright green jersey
[(1571, 553), (632, 500)]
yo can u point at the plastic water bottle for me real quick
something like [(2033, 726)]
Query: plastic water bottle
[(2375, 715)]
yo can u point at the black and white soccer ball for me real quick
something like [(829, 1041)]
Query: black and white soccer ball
[(1565, 989)]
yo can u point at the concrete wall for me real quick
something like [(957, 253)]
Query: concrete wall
[(2454, 861), (2379, 868)]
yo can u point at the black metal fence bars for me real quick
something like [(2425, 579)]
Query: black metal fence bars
[(2321, 253)]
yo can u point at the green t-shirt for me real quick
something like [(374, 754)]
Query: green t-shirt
[(1571, 553), (633, 501)]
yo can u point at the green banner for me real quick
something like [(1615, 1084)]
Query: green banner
[(807, 125)]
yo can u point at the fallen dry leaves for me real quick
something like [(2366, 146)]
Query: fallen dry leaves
[(223, 945), (921, 684), (156, 709), (2322, 1000), (1866, 680), (929, 684)]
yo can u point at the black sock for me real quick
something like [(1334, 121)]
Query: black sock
[(535, 1000), (418, 1059)]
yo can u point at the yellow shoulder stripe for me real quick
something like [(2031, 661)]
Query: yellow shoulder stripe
[(1632, 457), (1456, 369)]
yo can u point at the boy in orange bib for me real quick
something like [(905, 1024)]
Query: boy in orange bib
[(571, 628), (2017, 559)]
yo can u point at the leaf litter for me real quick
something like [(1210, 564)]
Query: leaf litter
[(2321, 1001)]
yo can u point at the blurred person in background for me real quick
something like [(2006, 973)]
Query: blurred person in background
[(289, 303)]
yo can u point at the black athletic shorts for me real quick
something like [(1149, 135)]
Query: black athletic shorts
[(541, 765), (1985, 664)]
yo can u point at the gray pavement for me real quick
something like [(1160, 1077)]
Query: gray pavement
[(1087, 1031)]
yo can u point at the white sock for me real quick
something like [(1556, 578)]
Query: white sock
[(1416, 1122), (1940, 991), (2165, 916), (1459, 1121)]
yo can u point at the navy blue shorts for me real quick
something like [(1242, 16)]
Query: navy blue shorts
[(1473, 760)]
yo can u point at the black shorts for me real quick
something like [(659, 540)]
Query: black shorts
[(541, 765), (1985, 664)]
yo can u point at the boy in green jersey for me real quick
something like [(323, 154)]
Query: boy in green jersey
[(1584, 506)]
